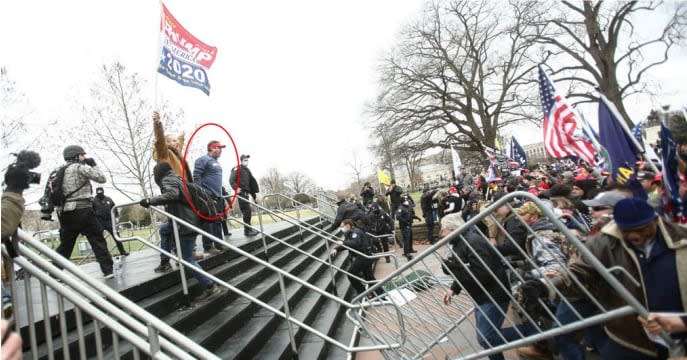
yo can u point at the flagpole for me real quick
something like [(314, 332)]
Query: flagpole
[(157, 58), (622, 122)]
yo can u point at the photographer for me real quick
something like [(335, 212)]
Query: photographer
[(76, 215), (367, 193), (17, 179)]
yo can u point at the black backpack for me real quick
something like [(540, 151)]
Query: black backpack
[(202, 200), (53, 195)]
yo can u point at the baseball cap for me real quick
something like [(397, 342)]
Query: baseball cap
[(215, 144), (606, 198), (645, 175), (245, 156)]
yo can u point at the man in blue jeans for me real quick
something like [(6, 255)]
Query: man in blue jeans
[(207, 173), (491, 306), (173, 200)]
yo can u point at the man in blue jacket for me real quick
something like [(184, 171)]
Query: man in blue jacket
[(207, 173)]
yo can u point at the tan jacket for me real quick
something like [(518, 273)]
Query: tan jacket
[(162, 153), (77, 182), (609, 248), (12, 210)]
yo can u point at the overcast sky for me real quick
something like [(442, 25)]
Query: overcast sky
[(289, 82)]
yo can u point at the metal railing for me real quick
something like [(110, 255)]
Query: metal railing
[(285, 314), (78, 291), (490, 314)]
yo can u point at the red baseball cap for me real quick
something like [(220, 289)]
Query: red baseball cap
[(215, 144)]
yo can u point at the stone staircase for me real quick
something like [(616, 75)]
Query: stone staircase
[(229, 325)]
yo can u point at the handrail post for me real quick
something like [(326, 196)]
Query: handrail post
[(262, 233), (182, 272), (287, 312)]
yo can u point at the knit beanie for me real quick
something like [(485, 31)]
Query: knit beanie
[(633, 213)]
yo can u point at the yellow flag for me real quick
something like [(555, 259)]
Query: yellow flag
[(383, 177), (497, 144)]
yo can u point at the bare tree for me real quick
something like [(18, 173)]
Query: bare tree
[(410, 158), (356, 165), (120, 126), (273, 182), (464, 71), (600, 44), (297, 182)]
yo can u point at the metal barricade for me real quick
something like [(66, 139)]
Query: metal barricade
[(489, 311)]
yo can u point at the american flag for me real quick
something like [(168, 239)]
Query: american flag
[(561, 124)]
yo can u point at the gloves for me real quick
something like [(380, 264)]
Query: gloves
[(17, 178), (145, 203), (534, 289), (89, 162)]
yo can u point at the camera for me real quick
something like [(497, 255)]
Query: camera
[(34, 177), (46, 208)]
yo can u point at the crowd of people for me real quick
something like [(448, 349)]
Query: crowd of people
[(621, 224)]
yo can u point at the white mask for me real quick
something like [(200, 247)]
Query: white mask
[(244, 162)]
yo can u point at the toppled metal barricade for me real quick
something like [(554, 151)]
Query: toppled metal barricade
[(489, 290)]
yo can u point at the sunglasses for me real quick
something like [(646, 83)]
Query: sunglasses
[(600, 208)]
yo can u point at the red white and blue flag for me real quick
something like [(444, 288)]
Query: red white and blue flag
[(562, 131), (184, 58)]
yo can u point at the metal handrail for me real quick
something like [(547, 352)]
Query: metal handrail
[(316, 231), (178, 344), (269, 266)]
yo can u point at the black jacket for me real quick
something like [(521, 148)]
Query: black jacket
[(519, 234), (367, 194), (395, 196), (405, 215), (357, 240), (102, 207), (247, 184), (427, 203), (482, 274), (348, 211), (171, 198)]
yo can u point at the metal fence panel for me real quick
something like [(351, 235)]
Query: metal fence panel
[(489, 314)]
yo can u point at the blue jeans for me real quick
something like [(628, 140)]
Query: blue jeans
[(166, 240), (6, 296), (568, 347), (489, 336), (187, 243), (215, 229)]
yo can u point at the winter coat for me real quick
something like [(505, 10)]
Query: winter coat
[(517, 232), (247, 182), (348, 210), (611, 250), (102, 207), (172, 198), (395, 196), (483, 253), (79, 176), (12, 211), (163, 153), (357, 240), (543, 250)]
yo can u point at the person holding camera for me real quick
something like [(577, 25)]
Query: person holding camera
[(18, 177), (367, 193), (77, 216)]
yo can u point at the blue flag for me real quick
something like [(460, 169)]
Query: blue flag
[(672, 204), (518, 154), (621, 149)]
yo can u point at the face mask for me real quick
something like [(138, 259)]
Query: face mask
[(406, 203), (100, 195), (244, 162), (345, 230)]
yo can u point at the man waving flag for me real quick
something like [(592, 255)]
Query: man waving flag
[(561, 130)]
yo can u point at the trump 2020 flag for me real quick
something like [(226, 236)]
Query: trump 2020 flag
[(517, 153), (184, 58), (620, 147)]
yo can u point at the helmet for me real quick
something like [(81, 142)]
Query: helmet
[(72, 151)]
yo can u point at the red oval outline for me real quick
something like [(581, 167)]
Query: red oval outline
[(183, 172)]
